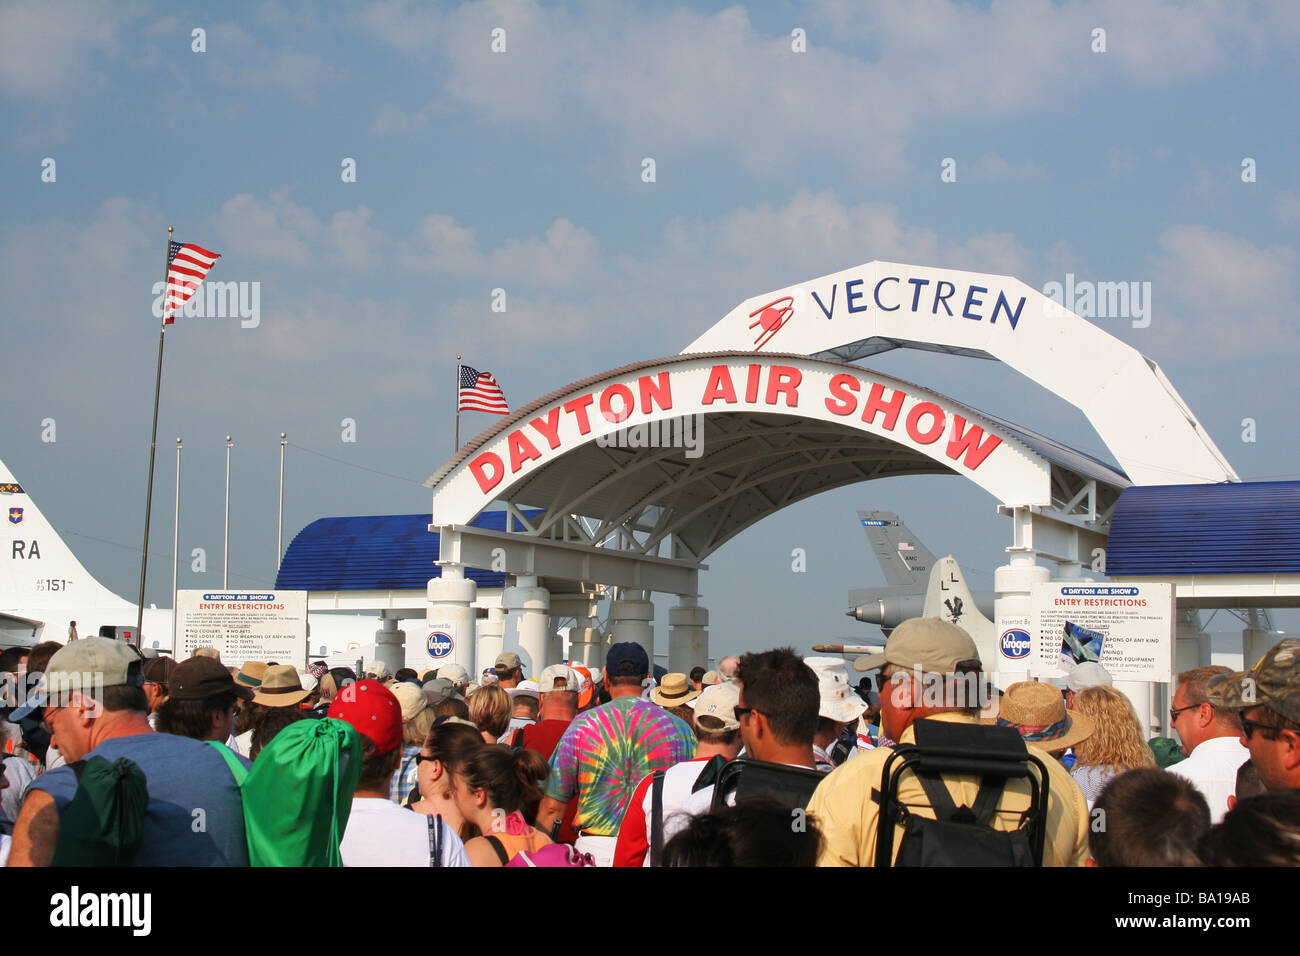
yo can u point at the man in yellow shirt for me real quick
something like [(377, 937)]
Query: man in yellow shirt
[(930, 669)]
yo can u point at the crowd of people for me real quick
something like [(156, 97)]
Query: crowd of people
[(771, 759)]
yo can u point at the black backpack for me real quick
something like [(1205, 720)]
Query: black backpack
[(961, 836), (789, 786)]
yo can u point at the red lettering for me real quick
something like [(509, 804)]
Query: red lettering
[(719, 387), (914, 422), (751, 384), (578, 409), (875, 404), (652, 394), (784, 380), (842, 387), (607, 405), (521, 450), (967, 440), (549, 428), (479, 467)]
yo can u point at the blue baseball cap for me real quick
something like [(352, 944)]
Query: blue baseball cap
[(627, 659)]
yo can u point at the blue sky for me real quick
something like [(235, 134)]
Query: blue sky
[(522, 170)]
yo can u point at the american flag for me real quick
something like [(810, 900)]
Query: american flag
[(479, 392), (187, 264)]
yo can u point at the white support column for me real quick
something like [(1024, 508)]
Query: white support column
[(587, 646), (449, 636), (688, 635), (631, 619), (526, 606), (1013, 607), (1191, 644), (390, 645), (490, 641), (1255, 643)]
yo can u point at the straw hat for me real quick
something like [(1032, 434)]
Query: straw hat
[(673, 690), (280, 687), (1037, 712), (251, 673)]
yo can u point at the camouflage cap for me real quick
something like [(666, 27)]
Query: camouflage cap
[(1273, 683)]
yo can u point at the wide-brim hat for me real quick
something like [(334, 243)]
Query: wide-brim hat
[(839, 700), (1037, 712), (673, 691), (281, 687)]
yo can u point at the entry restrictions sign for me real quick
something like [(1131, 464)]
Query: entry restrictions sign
[(1127, 628), (244, 625)]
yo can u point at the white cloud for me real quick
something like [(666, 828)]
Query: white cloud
[(1223, 295), (47, 49), (564, 256), (931, 62)]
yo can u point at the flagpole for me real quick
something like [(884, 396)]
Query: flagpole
[(153, 441), (457, 448), (176, 533), (225, 548), (279, 520)]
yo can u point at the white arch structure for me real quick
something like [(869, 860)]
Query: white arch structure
[(879, 306)]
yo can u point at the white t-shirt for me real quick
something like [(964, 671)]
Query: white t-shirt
[(678, 781), (380, 833), (1213, 766), (515, 724)]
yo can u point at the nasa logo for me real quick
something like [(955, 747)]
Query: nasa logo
[(440, 645), (1014, 644)]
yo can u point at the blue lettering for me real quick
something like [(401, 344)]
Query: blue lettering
[(941, 296), (971, 300), (823, 308), (877, 294), (1002, 303), (916, 296), (850, 296)]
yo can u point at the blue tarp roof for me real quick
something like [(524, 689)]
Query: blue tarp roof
[(375, 553), (1237, 528)]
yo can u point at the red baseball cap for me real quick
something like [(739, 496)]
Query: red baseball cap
[(372, 709)]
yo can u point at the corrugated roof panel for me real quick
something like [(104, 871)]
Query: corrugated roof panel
[(375, 553), (1237, 528)]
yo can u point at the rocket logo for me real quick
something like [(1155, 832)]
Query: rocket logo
[(15, 515), (771, 319)]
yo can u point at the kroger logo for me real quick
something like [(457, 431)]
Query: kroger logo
[(1015, 643), (440, 645)]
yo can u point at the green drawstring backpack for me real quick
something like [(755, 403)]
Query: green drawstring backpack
[(298, 794), (103, 825)]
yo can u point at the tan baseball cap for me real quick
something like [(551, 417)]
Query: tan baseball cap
[(558, 672), (715, 708), (929, 644)]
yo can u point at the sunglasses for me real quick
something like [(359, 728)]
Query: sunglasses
[(1175, 711), (421, 758), (1248, 726)]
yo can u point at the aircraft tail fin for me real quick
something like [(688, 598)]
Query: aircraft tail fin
[(948, 596), (40, 570), (903, 558)]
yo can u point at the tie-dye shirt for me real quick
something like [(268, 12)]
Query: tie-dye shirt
[(606, 752)]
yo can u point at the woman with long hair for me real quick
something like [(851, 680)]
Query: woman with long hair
[(490, 710), (498, 790), (1116, 744), (450, 742)]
